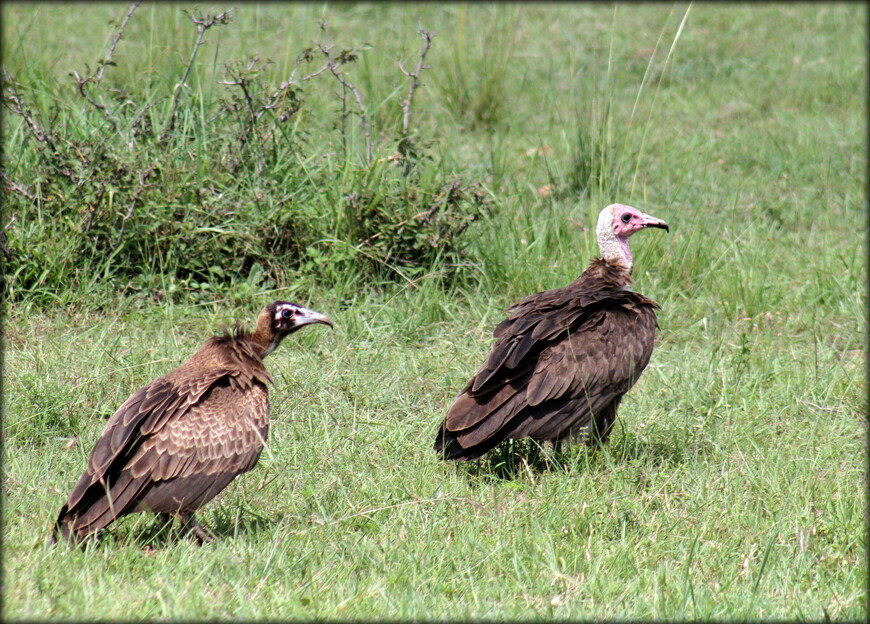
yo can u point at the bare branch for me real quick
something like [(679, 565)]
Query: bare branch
[(415, 80), (97, 76), (242, 79), (12, 98), (202, 25), (101, 107), (252, 105), (18, 188), (143, 175), (334, 64), (136, 127), (313, 74), (448, 192)]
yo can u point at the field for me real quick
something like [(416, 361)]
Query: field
[(734, 486)]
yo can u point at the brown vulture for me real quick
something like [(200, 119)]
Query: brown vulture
[(177, 442), (563, 358)]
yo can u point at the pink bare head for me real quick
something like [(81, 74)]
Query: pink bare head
[(615, 224), (628, 220)]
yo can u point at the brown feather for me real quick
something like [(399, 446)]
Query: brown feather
[(468, 410), (562, 359), (179, 440), (493, 422)]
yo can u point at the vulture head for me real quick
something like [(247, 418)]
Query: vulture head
[(279, 319), (615, 224)]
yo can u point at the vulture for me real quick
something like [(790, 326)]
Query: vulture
[(562, 359), (177, 442)]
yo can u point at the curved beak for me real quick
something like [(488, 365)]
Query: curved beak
[(304, 316), (651, 221)]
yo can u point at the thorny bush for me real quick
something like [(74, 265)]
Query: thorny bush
[(169, 195)]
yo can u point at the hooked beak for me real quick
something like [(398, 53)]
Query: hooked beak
[(651, 221), (307, 317)]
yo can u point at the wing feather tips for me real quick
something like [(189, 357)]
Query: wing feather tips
[(61, 527), (495, 361), (475, 425), (103, 507), (447, 446)]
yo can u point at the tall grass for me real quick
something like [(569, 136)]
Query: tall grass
[(734, 484)]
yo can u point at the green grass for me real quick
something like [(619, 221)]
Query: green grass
[(734, 484)]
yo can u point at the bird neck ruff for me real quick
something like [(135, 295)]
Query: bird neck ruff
[(613, 249)]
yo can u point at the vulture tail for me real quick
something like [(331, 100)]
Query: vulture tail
[(448, 447), (87, 519)]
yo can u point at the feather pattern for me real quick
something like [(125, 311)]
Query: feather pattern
[(178, 441), (561, 362)]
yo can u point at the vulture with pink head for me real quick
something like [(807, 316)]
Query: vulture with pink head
[(563, 358)]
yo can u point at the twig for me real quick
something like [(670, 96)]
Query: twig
[(92, 211), (446, 192), (242, 81), (366, 512), (140, 117), (820, 407), (202, 25), (13, 99), (124, 224), (239, 79), (17, 187), (291, 82), (334, 66), (58, 160), (415, 80), (97, 76), (101, 107), (343, 116), (309, 76), (143, 175)]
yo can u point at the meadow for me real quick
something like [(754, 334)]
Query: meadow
[(734, 485)]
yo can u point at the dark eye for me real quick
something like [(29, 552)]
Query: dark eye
[(286, 314), (626, 218)]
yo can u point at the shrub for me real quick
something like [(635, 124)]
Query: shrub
[(176, 195)]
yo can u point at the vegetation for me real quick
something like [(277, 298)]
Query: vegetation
[(734, 485)]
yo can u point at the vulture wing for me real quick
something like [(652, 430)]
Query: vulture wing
[(562, 360)]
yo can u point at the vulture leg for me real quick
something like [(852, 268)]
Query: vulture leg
[(559, 459), (161, 530), (602, 425), (193, 529), (561, 447)]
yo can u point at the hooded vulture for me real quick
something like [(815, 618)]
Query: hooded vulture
[(177, 442), (562, 359)]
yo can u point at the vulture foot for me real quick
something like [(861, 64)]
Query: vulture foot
[(192, 528)]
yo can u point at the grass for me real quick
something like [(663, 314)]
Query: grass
[(734, 485)]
